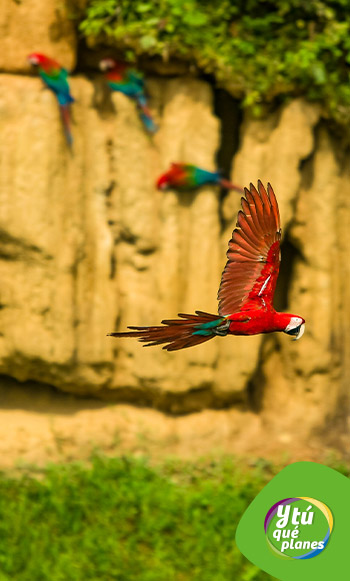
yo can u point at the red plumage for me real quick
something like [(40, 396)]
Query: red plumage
[(46, 63), (175, 177), (250, 275), (247, 286)]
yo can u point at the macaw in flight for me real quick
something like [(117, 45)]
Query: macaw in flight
[(185, 176), (55, 78), (122, 77), (247, 286)]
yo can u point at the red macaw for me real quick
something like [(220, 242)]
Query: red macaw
[(124, 78), (247, 286), (55, 78), (185, 176)]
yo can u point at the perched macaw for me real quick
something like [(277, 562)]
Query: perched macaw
[(247, 286), (122, 77), (185, 176), (55, 78)]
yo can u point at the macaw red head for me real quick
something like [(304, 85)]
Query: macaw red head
[(173, 177), (163, 182), (295, 327), (37, 59), (107, 64)]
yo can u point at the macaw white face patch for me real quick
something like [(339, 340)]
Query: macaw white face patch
[(106, 64), (294, 322)]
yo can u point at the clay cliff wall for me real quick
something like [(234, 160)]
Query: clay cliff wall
[(89, 246)]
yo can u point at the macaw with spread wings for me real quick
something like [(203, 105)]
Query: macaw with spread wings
[(247, 286)]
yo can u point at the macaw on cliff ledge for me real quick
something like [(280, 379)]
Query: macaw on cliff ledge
[(55, 78), (124, 78)]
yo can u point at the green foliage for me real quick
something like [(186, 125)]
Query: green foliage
[(259, 49), (121, 520)]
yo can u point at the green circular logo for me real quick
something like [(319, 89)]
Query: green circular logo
[(298, 528)]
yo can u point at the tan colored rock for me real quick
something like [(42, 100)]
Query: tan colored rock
[(301, 389), (88, 246), (40, 425), (271, 150), (35, 26), (313, 381), (89, 241)]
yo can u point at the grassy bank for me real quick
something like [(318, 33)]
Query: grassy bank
[(120, 519)]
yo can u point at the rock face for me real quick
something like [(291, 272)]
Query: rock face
[(33, 25), (88, 246), (88, 242)]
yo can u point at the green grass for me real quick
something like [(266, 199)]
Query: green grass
[(120, 519)]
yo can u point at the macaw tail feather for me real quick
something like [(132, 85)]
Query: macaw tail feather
[(65, 114), (149, 123), (230, 186), (146, 118), (65, 99), (181, 333), (142, 101)]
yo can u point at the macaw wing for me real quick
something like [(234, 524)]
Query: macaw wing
[(177, 165), (179, 174), (125, 86), (250, 275), (136, 77), (56, 79), (183, 169)]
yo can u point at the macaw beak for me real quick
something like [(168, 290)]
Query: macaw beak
[(300, 332), (106, 64), (162, 185), (296, 332), (32, 60)]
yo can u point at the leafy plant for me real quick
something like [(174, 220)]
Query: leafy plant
[(257, 49)]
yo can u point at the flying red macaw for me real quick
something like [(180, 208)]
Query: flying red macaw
[(55, 78), (247, 286), (124, 78), (185, 176)]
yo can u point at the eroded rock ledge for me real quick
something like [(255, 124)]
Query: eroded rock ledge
[(87, 245)]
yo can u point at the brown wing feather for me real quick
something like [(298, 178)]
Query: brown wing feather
[(251, 271), (174, 334)]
